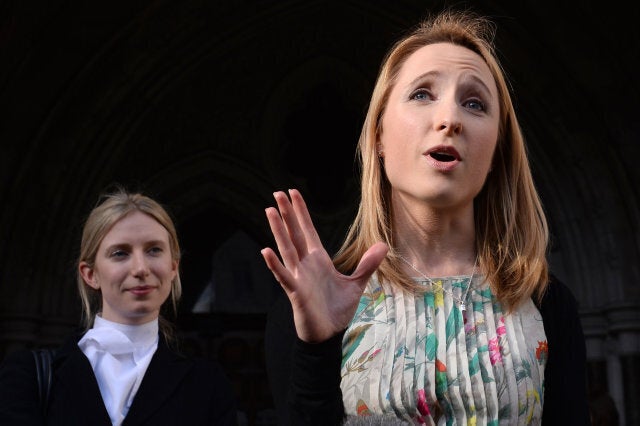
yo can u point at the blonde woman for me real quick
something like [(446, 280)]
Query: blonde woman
[(438, 308), (123, 367)]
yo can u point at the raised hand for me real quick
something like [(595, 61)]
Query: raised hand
[(323, 299)]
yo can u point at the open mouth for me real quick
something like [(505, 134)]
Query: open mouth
[(440, 156), (444, 154)]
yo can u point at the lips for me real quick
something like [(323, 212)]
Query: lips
[(141, 289), (443, 158), (445, 154)]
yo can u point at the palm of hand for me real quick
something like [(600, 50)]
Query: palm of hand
[(323, 300)]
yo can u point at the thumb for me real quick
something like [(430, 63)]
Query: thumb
[(370, 261)]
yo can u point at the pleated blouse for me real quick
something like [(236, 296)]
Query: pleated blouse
[(423, 359)]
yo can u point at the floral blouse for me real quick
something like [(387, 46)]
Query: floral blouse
[(421, 358)]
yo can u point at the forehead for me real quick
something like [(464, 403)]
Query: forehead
[(445, 58), (136, 225)]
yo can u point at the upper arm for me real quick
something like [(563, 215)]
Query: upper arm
[(18, 390), (565, 396)]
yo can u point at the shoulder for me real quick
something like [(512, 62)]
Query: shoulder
[(560, 317), (191, 374), (565, 373), (18, 390), (20, 359), (201, 368), (208, 378), (557, 302), (558, 292), (23, 361)]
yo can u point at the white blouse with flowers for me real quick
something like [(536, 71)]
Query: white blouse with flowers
[(421, 358)]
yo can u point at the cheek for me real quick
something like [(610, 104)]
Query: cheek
[(166, 272), (399, 126), (167, 284), (395, 163), (396, 145), (104, 276), (484, 146)]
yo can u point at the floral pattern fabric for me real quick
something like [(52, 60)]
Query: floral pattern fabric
[(423, 359)]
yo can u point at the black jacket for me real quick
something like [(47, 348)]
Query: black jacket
[(174, 391)]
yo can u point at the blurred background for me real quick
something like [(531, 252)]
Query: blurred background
[(210, 106)]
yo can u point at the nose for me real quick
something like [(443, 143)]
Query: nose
[(447, 119), (450, 128), (139, 266)]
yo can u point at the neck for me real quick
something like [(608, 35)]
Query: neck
[(436, 242), (421, 274)]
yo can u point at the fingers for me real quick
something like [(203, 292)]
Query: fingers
[(312, 240), (281, 274), (290, 217), (300, 231), (280, 233), (370, 261)]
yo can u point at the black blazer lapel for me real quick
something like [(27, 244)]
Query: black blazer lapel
[(76, 386), (163, 376)]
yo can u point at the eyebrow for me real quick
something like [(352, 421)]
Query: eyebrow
[(435, 73), (431, 73), (128, 245), (482, 84)]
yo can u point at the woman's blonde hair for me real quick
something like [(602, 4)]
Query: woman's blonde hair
[(111, 208), (511, 228)]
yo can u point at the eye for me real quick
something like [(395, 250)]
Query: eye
[(475, 104), (118, 254), (420, 95), (155, 250)]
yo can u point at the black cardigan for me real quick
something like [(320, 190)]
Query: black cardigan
[(174, 391), (305, 378)]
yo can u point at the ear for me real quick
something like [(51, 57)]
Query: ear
[(174, 268), (379, 149), (88, 275)]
